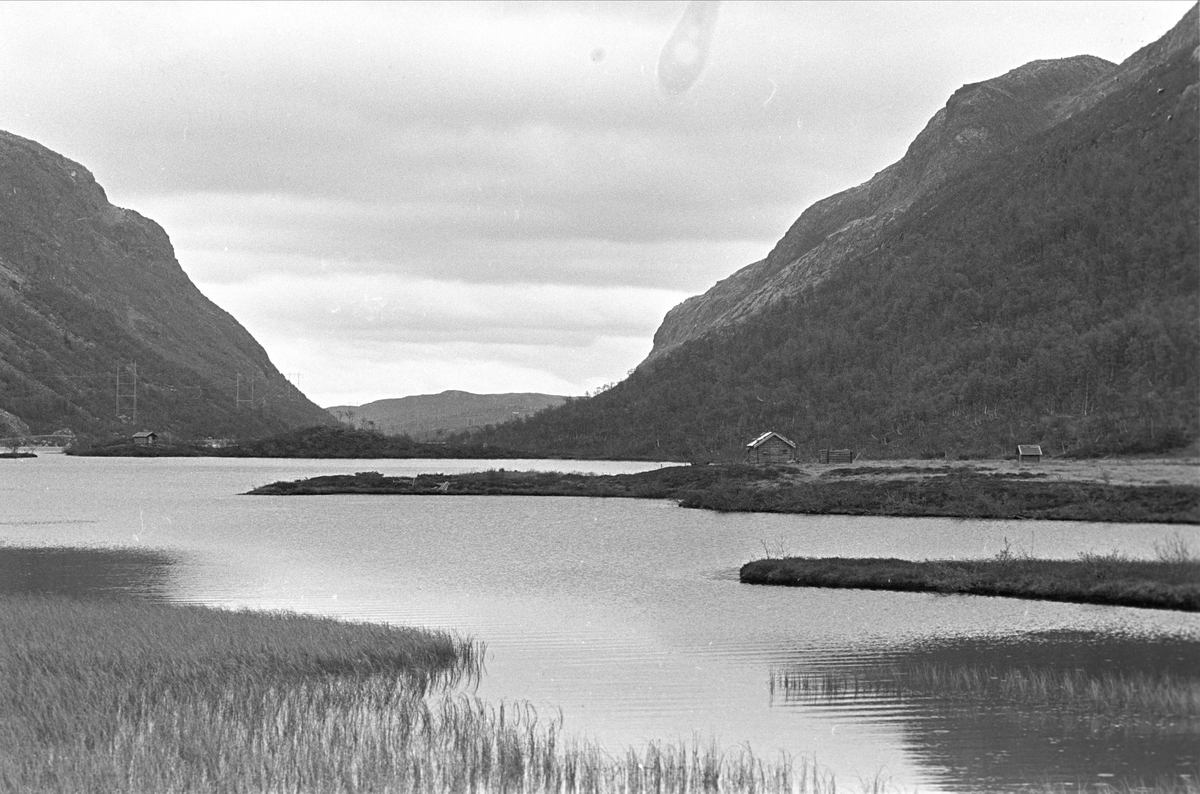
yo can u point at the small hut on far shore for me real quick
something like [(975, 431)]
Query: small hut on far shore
[(770, 447)]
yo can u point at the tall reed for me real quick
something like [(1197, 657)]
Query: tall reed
[(138, 697)]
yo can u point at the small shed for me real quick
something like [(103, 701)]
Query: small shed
[(145, 437), (835, 456), (1029, 452), (770, 447)]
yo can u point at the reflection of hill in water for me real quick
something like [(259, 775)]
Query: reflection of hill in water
[(84, 572), (971, 744)]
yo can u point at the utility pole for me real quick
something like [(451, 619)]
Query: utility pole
[(240, 400), (127, 391)]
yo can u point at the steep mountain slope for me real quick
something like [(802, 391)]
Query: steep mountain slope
[(1048, 292), (429, 416), (89, 292), (978, 120)]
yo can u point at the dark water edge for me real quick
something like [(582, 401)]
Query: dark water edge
[(968, 743), (86, 573)]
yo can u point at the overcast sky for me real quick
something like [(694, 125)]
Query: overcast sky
[(405, 198)]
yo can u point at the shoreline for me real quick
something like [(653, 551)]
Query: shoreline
[(963, 491), (1171, 582)]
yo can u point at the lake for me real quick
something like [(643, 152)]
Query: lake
[(626, 615)]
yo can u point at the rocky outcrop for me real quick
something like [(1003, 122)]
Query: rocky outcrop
[(88, 291), (1181, 37), (978, 119)]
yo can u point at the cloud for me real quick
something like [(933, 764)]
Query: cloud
[(483, 337), (499, 179)]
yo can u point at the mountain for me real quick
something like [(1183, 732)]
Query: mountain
[(101, 331), (430, 416), (978, 120), (1029, 272)]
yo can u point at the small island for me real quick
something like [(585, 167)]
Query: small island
[(1170, 582)]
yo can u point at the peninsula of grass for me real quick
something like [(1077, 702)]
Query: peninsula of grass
[(1170, 582), (960, 492), (138, 696)]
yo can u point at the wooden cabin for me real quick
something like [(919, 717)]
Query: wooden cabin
[(145, 437), (1029, 453), (770, 447)]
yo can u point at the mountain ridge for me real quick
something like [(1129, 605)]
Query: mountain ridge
[(977, 119), (102, 331), (1048, 293)]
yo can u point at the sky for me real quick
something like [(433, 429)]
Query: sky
[(404, 198)]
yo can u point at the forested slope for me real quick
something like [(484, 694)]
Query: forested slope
[(89, 293), (1047, 295)]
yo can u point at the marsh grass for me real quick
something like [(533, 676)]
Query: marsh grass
[(1172, 581), (1111, 694), (146, 697)]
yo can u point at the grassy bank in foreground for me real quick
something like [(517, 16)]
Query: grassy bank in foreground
[(128, 696), (1170, 582), (958, 491)]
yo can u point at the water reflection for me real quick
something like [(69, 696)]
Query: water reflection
[(1009, 713), (85, 572)]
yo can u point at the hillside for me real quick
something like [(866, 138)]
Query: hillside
[(1045, 292), (432, 416), (101, 330), (978, 120)]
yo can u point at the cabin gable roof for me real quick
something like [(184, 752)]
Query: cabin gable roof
[(758, 442)]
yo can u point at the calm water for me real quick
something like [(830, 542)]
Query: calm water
[(627, 615)]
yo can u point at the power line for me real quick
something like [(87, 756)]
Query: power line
[(127, 391)]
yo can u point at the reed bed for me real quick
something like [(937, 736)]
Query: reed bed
[(1108, 693), (141, 697)]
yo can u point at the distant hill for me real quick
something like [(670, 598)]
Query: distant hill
[(432, 416), (102, 332), (1028, 273)]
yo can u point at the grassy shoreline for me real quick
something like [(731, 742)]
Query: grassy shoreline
[(1170, 582), (136, 696), (958, 492)]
